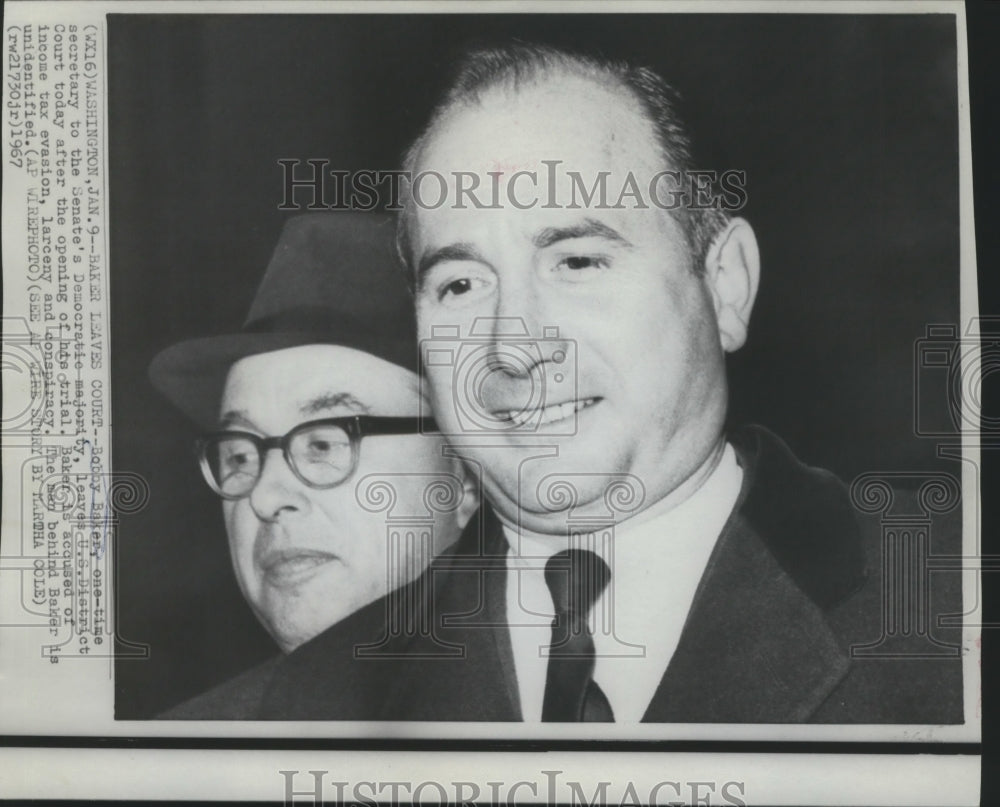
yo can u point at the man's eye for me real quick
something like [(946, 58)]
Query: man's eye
[(323, 448), (455, 288), (238, 462), (461, 290), (577, 263)]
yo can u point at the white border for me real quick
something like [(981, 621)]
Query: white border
[(141, 773), (791, 779)]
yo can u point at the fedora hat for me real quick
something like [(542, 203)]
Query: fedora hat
[(334, 278)]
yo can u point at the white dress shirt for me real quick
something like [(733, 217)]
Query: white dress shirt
[(656, 565)]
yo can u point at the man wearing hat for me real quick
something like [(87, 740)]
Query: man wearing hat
[(311, 420)]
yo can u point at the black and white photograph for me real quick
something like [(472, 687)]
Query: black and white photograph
[(431, 378), (545, 368)]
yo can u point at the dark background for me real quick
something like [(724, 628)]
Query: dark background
[(845, 125)]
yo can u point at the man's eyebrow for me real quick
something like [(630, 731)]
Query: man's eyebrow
[(331, 400), (236, 417), (452, 252), (588, 228)]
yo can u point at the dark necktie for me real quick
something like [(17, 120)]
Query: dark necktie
[(575, 579)]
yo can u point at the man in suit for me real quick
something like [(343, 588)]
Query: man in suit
[(638, 559), (311, 418)]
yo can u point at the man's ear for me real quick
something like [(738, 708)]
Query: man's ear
[(470, 497), (732, 273)]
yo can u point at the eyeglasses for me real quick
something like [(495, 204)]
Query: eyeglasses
[(321, 453)]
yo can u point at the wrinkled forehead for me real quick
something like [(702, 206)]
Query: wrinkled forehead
[(314, 381), (530, 156), (581, 121)]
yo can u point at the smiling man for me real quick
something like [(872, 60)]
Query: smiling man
[(315, 402), (638, 560), (632, 308), (646, 318)]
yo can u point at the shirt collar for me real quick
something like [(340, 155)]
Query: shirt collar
[(703, 512)]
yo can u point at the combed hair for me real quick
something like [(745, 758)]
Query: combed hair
[(517, 64)]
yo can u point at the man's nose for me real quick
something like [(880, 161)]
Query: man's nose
[(522, 337), (278, 491), (518, 304)]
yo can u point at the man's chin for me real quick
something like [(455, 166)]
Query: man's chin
[(550, 499), (291, 629)]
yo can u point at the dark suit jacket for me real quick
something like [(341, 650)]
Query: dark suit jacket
[(791, 586), (236, 699)]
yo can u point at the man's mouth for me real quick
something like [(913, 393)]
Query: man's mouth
[(290, 567), (546, 415)]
